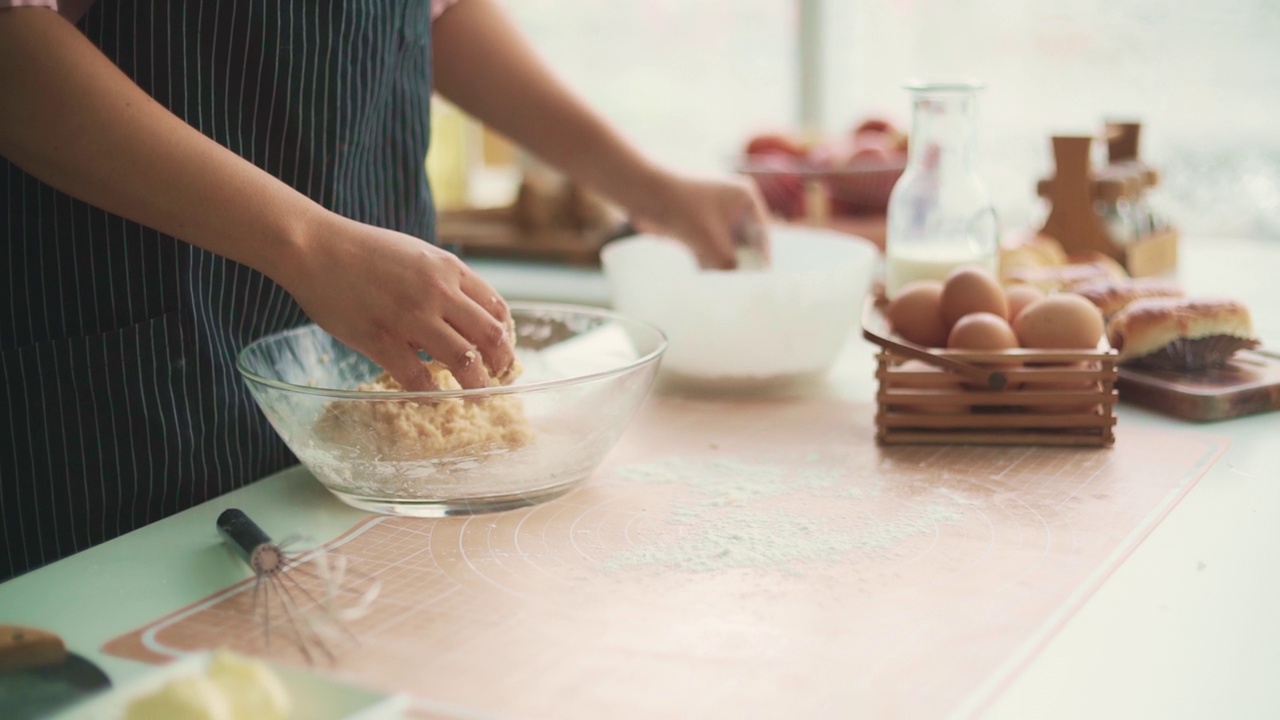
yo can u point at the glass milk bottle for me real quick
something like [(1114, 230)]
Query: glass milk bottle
[(940, 214)]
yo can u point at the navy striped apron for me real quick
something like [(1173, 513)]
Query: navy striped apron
[(120, 398)]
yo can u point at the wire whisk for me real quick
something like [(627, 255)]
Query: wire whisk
[(310, 596)]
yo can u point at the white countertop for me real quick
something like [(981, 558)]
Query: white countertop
[(1187, 627)]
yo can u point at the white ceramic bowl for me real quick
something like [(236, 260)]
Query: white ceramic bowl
[(787, 322)]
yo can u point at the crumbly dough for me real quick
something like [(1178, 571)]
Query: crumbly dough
[(405, 430)]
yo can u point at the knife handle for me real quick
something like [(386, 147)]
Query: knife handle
[(23, 648)]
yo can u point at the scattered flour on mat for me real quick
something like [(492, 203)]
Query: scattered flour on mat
[(745, 515)]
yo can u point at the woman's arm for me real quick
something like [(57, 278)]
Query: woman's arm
[(72, 119), (69, 117), (485, 66)]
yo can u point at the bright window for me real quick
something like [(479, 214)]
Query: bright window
[(690, 79)]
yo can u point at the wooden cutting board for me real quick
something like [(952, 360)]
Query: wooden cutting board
[(1248, 384), (493, 233)]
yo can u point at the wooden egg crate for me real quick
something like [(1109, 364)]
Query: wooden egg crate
[(1060, 403), (934, 396)]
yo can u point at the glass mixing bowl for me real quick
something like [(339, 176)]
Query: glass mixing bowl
[(431, 454)]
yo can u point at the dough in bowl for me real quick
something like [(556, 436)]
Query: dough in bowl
[(405, 430)]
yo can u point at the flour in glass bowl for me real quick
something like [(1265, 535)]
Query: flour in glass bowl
[(735, 514)]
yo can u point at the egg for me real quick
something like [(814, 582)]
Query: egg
[(982, 331), (915, 313), (970, 289), (1062, 321), (1020, 296)]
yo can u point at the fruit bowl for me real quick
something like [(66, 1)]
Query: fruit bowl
[(431, 454), (856, 171), (856, 189)]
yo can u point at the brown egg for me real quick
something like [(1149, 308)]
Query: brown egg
[(1020, 296), (982, 331), (971, 289), (1062, 321), (916, 313)]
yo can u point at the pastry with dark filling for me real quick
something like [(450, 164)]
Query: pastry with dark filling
[(1184, 334)]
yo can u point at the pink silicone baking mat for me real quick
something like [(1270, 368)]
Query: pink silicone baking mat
[(737, 560)]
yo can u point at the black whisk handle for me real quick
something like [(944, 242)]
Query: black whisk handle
[(241, 533)]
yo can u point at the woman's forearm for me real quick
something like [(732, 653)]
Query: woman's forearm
[(485, 66), (70, 118)]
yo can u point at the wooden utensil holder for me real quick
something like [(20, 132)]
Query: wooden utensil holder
[(1075, 188)]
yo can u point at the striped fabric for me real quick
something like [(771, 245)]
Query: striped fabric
[(120, 398)]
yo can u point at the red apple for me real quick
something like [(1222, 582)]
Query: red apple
[(882, 132), (870, 155), (873, 149), (874, 125), (774, 144)]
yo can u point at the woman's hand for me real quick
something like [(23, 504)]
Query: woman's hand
[(72, 119), (485, 65), (389, 295), (715, 217), (382, 293)]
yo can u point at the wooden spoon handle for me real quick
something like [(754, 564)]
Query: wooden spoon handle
[(993, 379)]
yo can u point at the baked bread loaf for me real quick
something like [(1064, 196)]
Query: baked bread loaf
[(1065, 277), (1093, 257), (1113, 294), (1029, 251), (1180, 333)]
